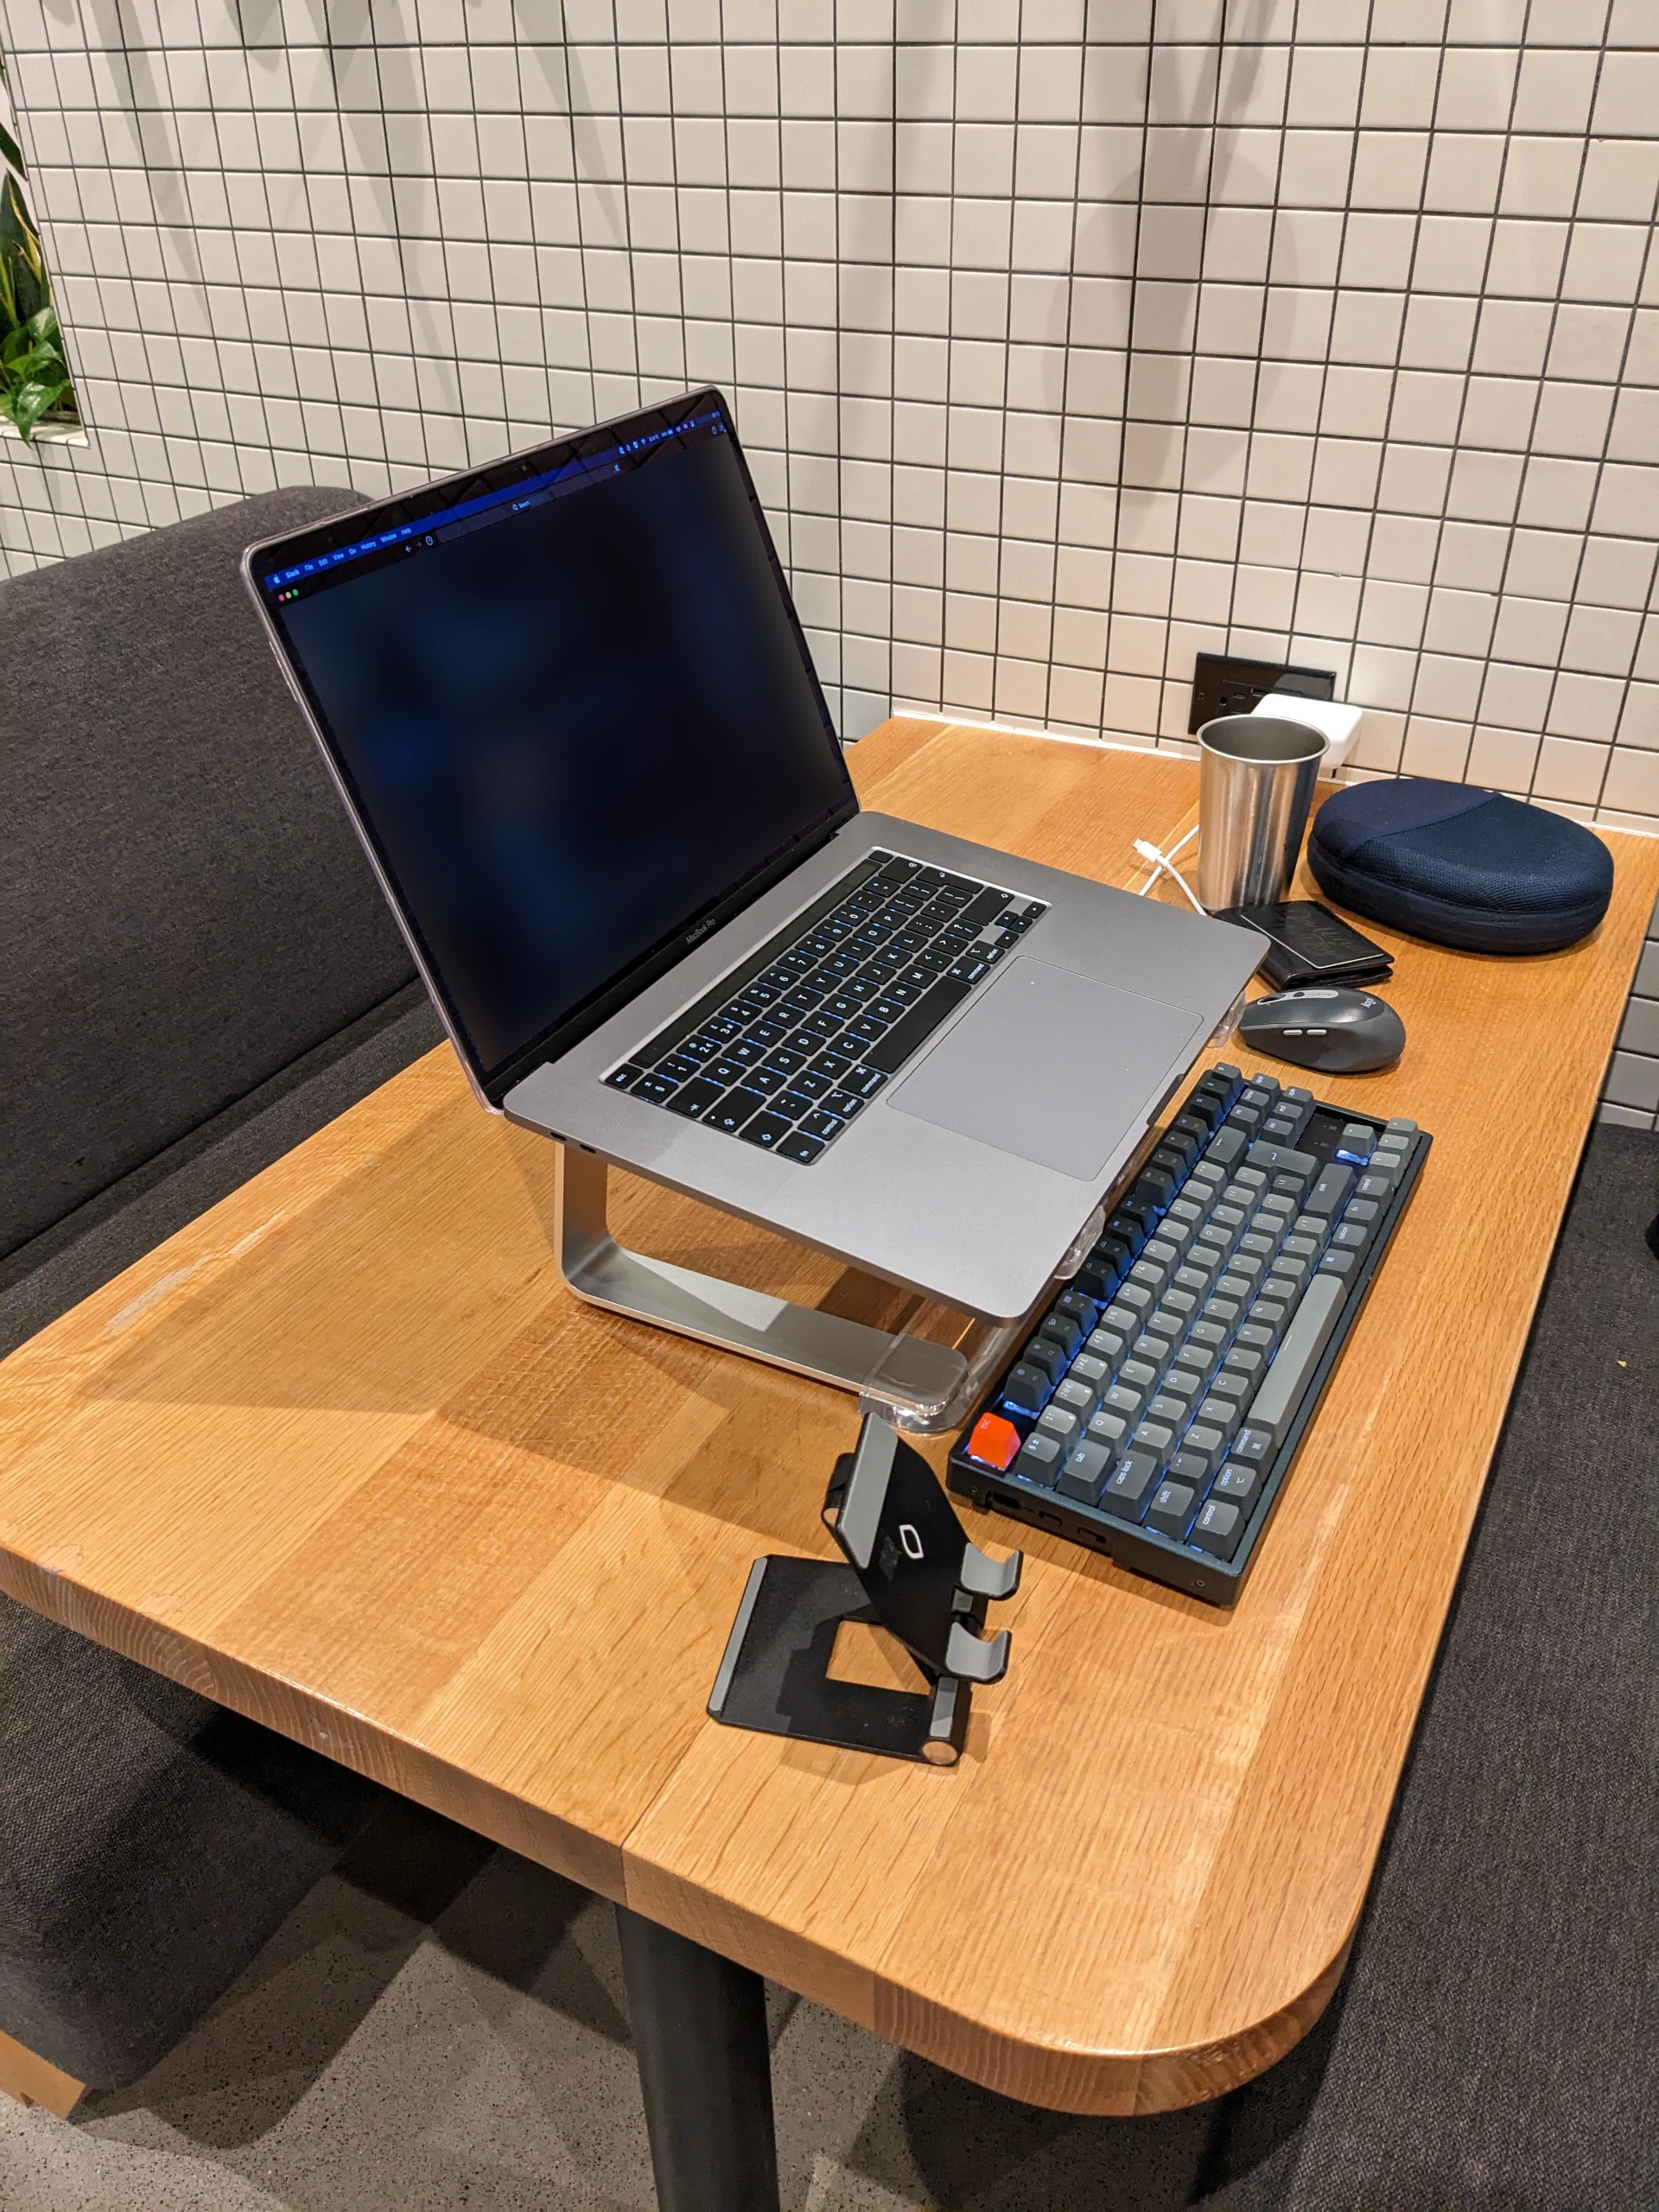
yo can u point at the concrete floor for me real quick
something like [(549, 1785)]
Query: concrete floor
[(441, 2026)]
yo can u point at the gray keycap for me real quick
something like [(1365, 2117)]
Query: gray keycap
[(1088, 1367), (1108, 1346), (1172, 1411), (1135, 1294), (1184, 1383), (1207, 1440), (1225, 1146), (1297, 1247), (1083, 1476), (1374, 1186), (1156, 1437), (1239, 1485), (1059, 1423), (1330, 1194), (1141, 1375), (1077, 1396), (1131, 1482), (1040, 1459), (1217, 1529), (1239, 1281), (1223, 1311), (1161, 1252), (1281, 1160), (1252, 1445), (1186, 1213), (1180, 1300), (1197, 1278), (1350, 1236), (1364, 1209), (1278, 1206), (1120, 1399), (1198, 1359), (1219, 1416), (1206, 1179), (1147, 1274), (1107, 1427), (1304, 1339), (1209, 1336), (1168, 1511), (1258, 1334), (1339, 1265), (1244, 1361), (1123, 1320), (1258, 1247), (1229, 1383)]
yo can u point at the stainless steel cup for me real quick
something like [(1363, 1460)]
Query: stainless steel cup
[(1255, 783)]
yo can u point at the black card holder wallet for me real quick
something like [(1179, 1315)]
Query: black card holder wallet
[(1307, 944)]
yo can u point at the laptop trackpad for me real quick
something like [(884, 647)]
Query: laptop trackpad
[(1051, 1066)]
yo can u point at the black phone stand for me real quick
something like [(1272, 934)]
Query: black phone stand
[(911, 1570)]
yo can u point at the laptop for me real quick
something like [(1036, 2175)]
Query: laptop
[(569, 707)]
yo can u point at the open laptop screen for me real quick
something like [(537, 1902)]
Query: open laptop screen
[(573, 709)]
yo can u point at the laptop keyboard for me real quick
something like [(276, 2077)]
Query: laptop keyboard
[(784, 1053)]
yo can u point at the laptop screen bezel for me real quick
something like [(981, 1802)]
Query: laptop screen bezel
[(273, 555)]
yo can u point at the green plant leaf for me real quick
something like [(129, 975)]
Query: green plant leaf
[(30, 401), (12, 151), (41, 364), (23, 289)]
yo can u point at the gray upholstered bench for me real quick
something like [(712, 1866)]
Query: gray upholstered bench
[(199, 969)]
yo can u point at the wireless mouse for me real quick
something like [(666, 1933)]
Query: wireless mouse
[(1338, 1031)]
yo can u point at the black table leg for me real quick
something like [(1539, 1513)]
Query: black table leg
[(705, 2071)]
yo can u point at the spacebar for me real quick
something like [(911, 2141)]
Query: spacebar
[(912, 1028), (1296, 1358)]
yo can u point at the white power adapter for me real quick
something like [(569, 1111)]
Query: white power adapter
[(1337, 724)]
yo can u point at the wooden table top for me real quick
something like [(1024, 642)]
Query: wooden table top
[(345, 1455)]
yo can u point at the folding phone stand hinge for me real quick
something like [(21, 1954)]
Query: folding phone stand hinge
[(921, 1386), (910, 1570)]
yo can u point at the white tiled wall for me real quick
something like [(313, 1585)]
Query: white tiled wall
[(1064, 342)]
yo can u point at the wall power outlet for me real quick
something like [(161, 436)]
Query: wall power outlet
[(1223, 684)]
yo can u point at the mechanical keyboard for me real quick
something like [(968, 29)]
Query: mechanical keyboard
[(1154, 1413), (790, 1046)]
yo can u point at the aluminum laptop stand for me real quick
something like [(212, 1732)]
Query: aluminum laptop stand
[(915, 1383)]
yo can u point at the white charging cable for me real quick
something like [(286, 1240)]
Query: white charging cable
[(1164, 864)]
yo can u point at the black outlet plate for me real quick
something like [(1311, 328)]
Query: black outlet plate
[(1223, 684)]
